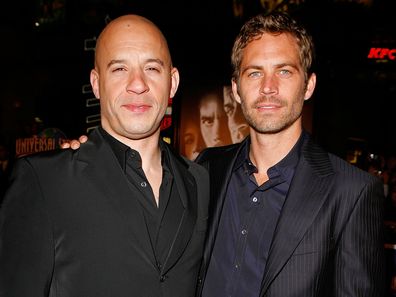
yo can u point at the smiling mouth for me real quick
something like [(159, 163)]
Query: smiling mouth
[(137, 108), (267, 107)]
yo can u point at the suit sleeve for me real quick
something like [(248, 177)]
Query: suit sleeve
[(26, 245), (360, 259)]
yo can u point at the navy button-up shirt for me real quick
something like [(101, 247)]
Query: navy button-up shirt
[(247, 225)]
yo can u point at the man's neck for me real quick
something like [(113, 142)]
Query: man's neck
[(266, 150)]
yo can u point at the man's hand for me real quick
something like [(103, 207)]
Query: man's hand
[(74, 143)]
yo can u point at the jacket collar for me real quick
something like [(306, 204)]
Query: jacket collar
[(102, 170)]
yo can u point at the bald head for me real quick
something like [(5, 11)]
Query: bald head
[(132, 31), (133, 78)]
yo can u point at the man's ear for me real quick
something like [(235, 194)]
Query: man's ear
[(175, 79), (234, 86), (310, 86), (94, 78)]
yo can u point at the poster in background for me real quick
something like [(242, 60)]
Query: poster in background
[(209, 117)]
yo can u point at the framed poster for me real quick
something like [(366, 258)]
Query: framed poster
[(209, 117)]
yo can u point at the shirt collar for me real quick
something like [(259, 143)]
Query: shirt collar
[(284, 167), (243, 156), (122, 151), (292, 158)]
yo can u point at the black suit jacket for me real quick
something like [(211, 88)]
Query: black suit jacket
[(70, 227), (329, 237)]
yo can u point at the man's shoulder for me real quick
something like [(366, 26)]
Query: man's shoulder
[(328, 163), (59, 156), (346, 168), (51, 161), (218, 153)]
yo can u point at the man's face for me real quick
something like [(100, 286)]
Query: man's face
[(190, 141), (133, 78), (271, 87), (239, 129), (213, 121)]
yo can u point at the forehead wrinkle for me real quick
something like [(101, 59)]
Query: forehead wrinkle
[(124, 61), (138, 34)]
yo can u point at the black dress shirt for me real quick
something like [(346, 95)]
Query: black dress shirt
[(163, 220), (247, 225)]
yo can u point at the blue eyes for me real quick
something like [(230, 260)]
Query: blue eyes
[(254, 74), (284, 72), (280, 73)]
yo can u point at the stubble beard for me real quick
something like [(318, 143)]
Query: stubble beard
[(271, 123)]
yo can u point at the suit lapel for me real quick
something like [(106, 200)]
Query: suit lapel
[(104, 172), (183, 181), (220, 168), (307, 193)]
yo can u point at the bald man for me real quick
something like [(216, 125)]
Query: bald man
[(123, 215)]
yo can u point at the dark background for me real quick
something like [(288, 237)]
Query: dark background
[(44, 67)]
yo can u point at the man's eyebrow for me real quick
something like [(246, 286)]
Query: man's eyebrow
[(159, 61), (204, 117), (281, 65), (112, 62), (276, 66)]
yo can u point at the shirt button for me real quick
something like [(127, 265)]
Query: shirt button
[(244, 232), (143, 184), (255, 199), (162, 278)]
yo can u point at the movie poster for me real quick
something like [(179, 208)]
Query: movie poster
[(209, 117)]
